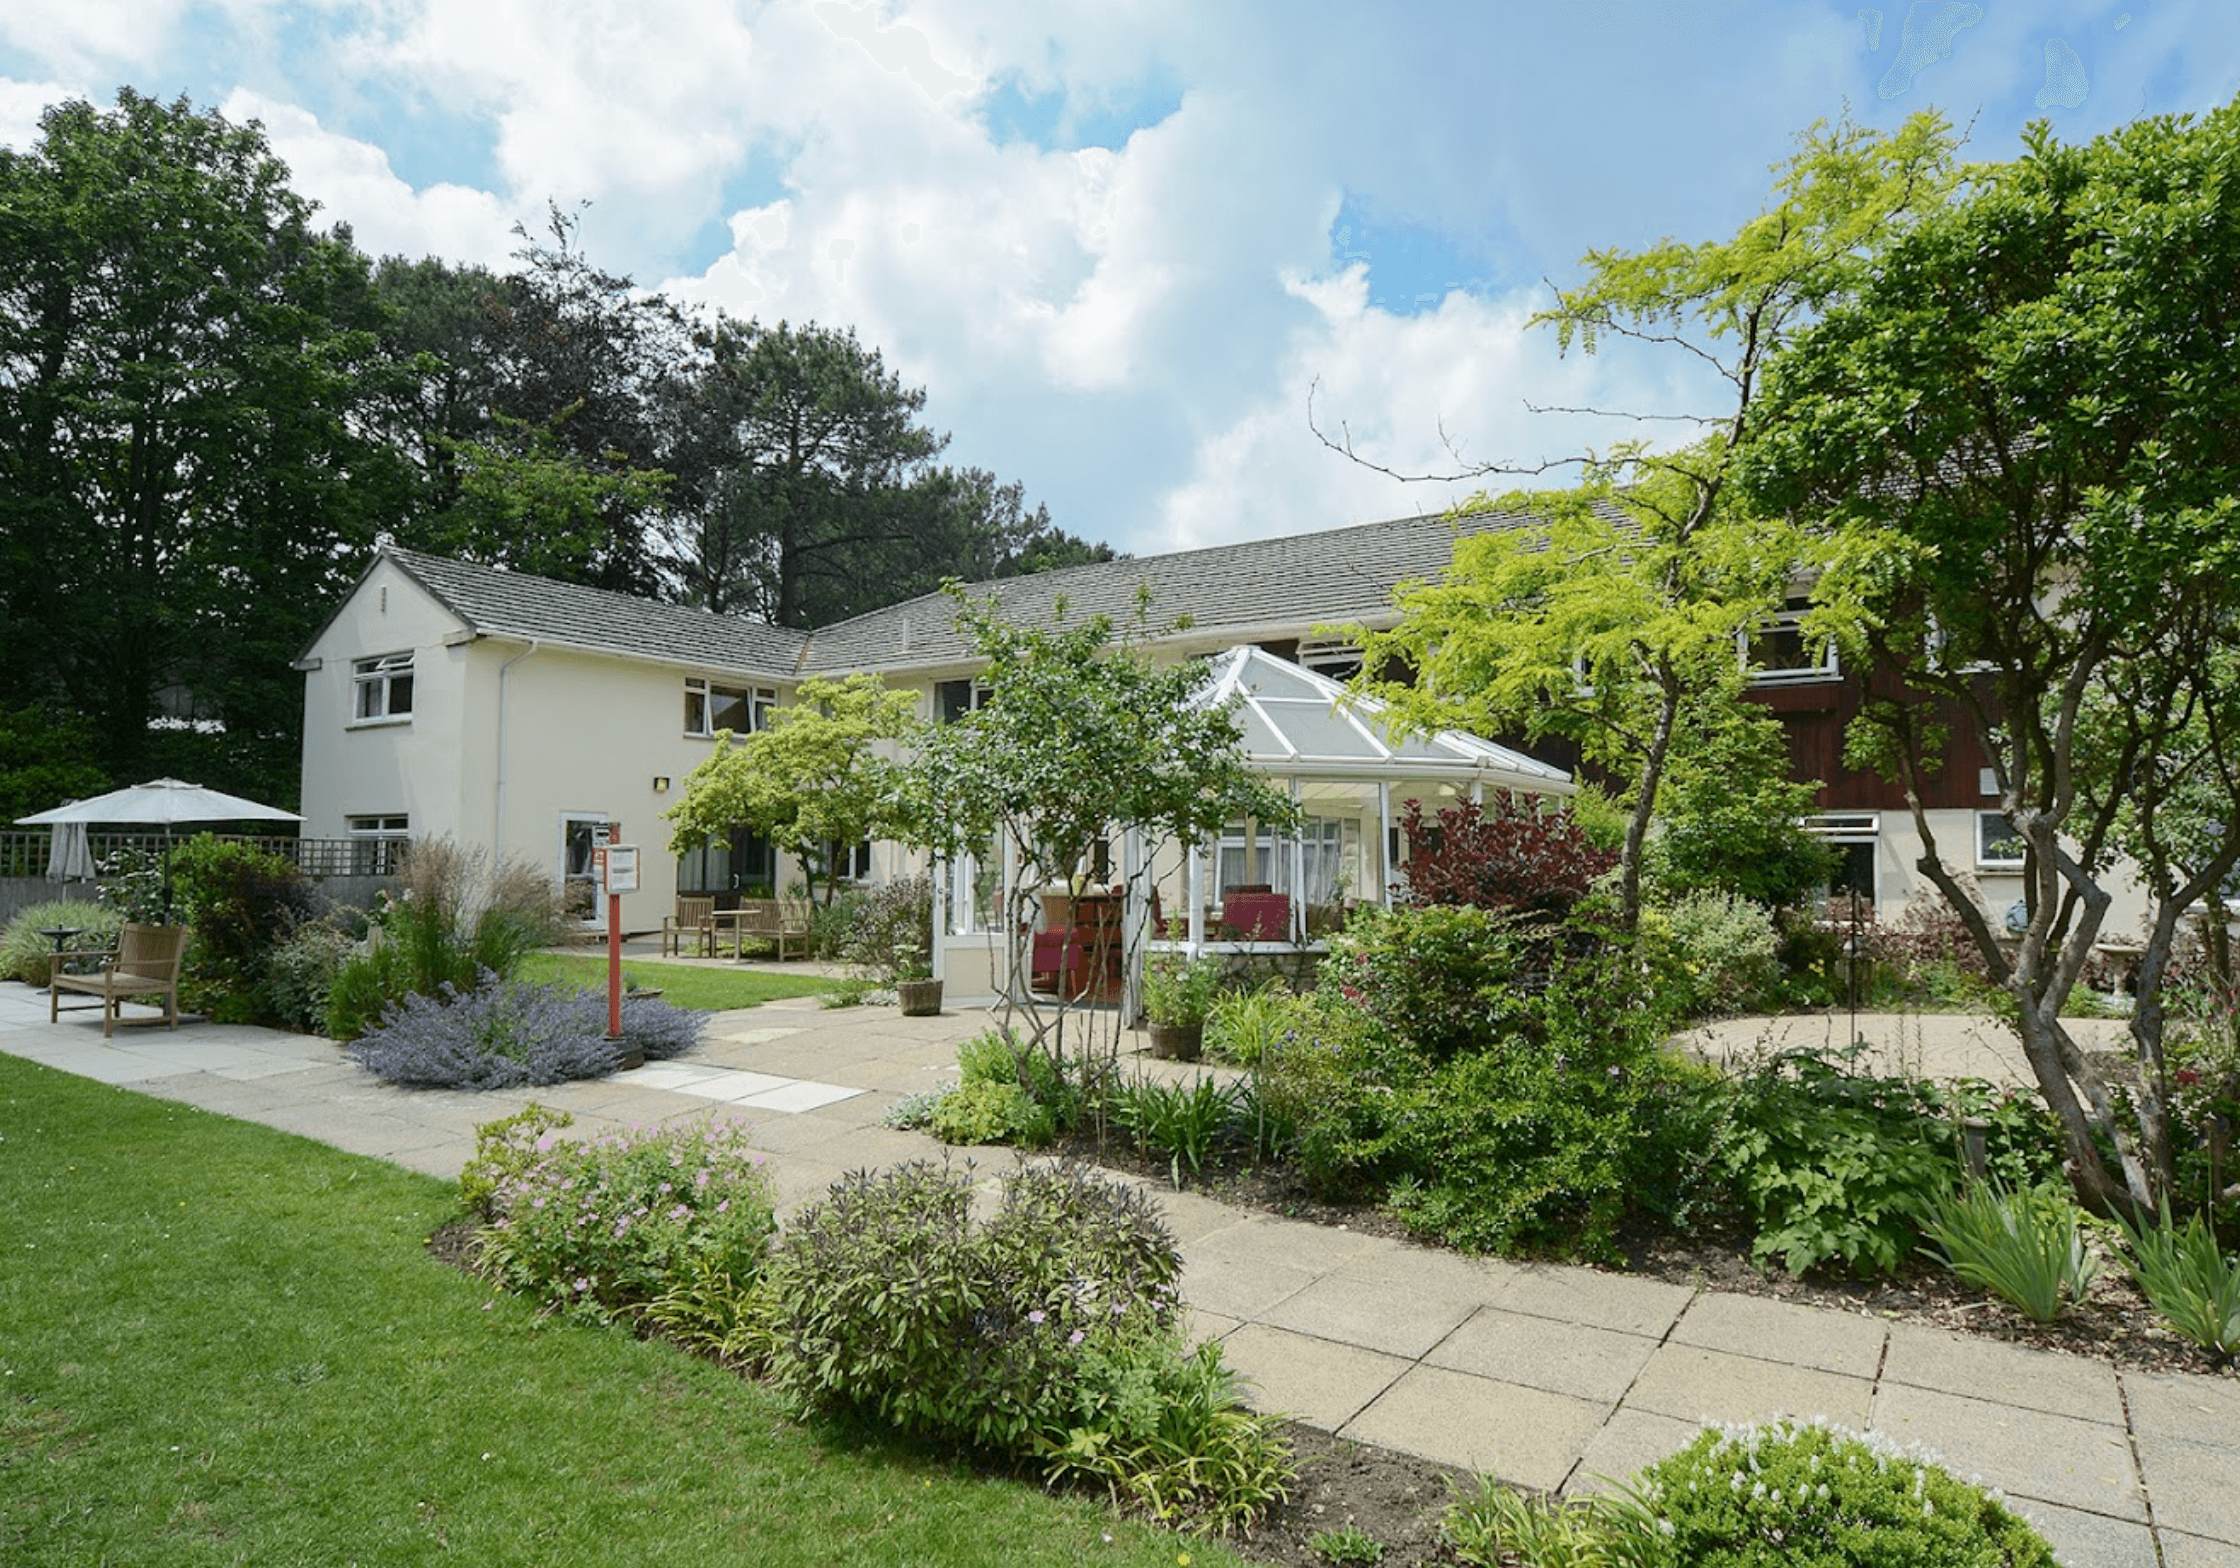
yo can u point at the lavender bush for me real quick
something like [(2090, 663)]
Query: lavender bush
[(602, 1228), (505, 1033)]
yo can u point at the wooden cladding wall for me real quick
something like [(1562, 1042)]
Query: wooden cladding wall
[(1815, 716)]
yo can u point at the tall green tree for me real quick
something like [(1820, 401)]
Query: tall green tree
[(1627, 606), (186, 482), (2024, 432), (817, 466)]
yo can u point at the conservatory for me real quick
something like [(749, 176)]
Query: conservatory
[(1256, 891)]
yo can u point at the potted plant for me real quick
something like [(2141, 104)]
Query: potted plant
[(1178, 992), (916, 991)]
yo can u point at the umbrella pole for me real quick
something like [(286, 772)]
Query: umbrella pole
[(167, 874)]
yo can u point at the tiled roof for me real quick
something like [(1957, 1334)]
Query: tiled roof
[(513, 604), (1338, 576), (1229, 592)]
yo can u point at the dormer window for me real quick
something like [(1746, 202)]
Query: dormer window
[(1333, 658), (1780, 652)]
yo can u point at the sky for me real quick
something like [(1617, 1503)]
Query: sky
[(1123, 243)]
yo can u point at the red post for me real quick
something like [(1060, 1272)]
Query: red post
[(614, 936), (614, 966)]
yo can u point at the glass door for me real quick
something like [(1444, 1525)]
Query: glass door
[(581, 832)]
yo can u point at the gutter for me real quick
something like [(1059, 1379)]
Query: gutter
[(498, 831)]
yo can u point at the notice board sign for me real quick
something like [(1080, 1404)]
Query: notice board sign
[(619, 869)]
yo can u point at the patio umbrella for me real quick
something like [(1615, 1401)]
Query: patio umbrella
[(69, 854), (161, 802)]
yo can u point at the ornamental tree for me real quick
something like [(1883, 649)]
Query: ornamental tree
[(816, 776), (1624, 604), (2023, 435), (1081, 736)]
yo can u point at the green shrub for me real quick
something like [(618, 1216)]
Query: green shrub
[(1347, 1544), (503, 1150), (983, 1112), (1725, 951), (1332, 1084), (2026, 1247), (1495, 1526), (300, 972), (1779, 1496), (890, 929), (832, 926), (999, 1056), (1819, 1496), (24, 953), (601, 1228), (1179, 989), (2189, 1280), (1049, 1333), (1827, 1166), (1525, 1151), (1447, 977), (243, 903), (889, 1299)]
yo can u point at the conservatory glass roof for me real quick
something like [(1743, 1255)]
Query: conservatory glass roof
[(1296, 721)]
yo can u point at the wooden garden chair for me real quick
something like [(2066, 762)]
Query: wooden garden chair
[(696, 918), (142, 967)]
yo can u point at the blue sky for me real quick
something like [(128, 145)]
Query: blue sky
[(1118, 241)]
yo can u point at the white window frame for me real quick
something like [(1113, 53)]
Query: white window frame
[(1985, 859), (1850, 827), (1788, 619), (374, 687), (980, 692), (700, 695), (1335, 658), (376, 842)]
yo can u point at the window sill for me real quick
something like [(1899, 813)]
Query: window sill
[(390, 722), (1795, 678)]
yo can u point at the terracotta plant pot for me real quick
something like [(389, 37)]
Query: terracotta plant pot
[(918, 998), (1177, 1042)]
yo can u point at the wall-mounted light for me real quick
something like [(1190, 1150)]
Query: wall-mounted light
[(661, 783)]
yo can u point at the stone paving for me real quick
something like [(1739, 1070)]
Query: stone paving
[(1548, 1376)]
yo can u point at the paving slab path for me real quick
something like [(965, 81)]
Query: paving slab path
[(1545, 1375)]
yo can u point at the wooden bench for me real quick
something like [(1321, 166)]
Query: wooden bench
[(773, 920), (142, 967)]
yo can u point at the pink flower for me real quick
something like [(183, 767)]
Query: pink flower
[(1036, 1316), (1076, 1337)]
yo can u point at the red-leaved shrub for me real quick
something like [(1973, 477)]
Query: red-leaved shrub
[(1509, 854)]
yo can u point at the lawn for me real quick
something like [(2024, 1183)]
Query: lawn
[(221, 1343), (687, 985)]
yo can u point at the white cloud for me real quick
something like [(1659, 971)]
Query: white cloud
[(353, 182), (81, 36), (21, 104), (1441, 393)]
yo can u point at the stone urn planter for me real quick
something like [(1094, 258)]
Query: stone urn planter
[(1177, 1042), (918, 998)]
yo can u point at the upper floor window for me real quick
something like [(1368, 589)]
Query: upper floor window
[(710, 706), (384, 688), (1780, 651), (952, 700), (1333, 657)]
